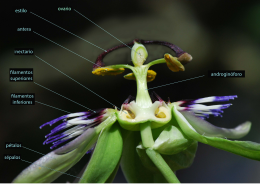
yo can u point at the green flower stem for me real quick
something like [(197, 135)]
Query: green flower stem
[(162, 166), (146, 134), (142, 97), (158, 61)]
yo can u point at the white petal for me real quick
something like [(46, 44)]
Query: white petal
[(206, 99), (204, 107)]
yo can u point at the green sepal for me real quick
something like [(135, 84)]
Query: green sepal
[(171, 141), (243, 148), (183, 159), (178, 161), (160, 163), (146, 161), (106, 155), (207, 129), (54, 164), (132, 167), (113, 175)]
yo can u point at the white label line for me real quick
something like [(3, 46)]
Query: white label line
[(176, 82), (76, 81), (52, 107), (66, 48), (68, 31), (51, 169), (63, 96), (105, 31)]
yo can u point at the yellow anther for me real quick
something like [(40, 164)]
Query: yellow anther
[(150, 76), (107, 71), (185, 58), (130, 76), (128, 115), (161, 115), (173, 63), (160, 112)]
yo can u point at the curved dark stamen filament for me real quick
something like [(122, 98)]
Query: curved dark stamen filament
[(173, 47), (157, 96), (128, 99), (99, 62)]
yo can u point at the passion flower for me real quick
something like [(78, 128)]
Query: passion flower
[(150, 139)]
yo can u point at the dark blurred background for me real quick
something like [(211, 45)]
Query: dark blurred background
[(220, 35)]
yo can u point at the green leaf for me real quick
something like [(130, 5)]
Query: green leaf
[(171, 141), (105, 157), (244, 148), (52, 165)]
